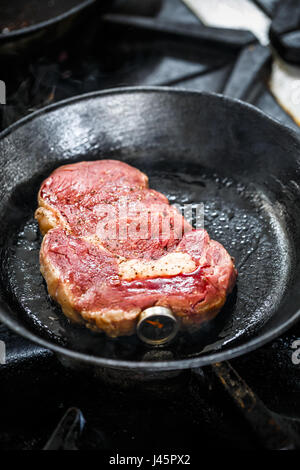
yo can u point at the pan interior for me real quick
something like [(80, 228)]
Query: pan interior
[(238, 216)]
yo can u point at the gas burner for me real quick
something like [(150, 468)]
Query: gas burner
[(263, 428)]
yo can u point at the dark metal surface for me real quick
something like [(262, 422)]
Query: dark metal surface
[(268, 6), (124, 418), (274, 432), (285, 31), (195, 33), (242, 84), (247, 179), (101, 56), (115, 418)]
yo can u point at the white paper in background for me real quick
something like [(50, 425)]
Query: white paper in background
[(233, 14)]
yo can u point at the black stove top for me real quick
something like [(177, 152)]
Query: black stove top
[(37, 390)]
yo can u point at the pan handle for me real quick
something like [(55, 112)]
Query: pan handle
[(272, 430)]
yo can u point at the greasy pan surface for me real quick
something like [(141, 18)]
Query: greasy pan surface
[(195, 148)]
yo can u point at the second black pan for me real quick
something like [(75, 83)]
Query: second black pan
[(195, 147), (31, 25)]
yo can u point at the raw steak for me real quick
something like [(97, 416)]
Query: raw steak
[(113, 247)]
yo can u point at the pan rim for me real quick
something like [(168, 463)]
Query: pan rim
[(43, 24), (143, 365)]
